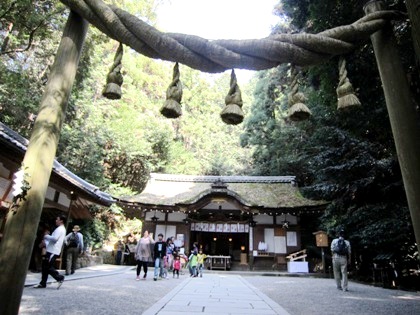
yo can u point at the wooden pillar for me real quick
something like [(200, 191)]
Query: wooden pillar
[(21, 226), (405, 122), (413, 9), (251, 248)]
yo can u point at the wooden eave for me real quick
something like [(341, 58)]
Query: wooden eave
[(13, 148), (258, 194)]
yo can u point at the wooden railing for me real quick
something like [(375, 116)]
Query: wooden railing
[(297, 255)]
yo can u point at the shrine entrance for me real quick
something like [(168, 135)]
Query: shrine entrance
[(225, 244)]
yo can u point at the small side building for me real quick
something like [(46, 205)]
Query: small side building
[(67, 193), (254, 220)]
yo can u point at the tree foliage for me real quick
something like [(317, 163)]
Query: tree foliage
[(345, 157), (114, 143), (29, 38)]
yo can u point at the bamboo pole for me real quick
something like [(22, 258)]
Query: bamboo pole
[(402, 114), (21, 226)]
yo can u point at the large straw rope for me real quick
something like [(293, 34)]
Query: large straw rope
[(220, 55)]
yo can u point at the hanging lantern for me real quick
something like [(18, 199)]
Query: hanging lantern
[(172, 107), (154, 218), (114, 79), (285, 223), (232, 114), (251, 221), (298, 111), (345, 91)]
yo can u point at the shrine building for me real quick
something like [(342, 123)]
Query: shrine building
[(256, 221)]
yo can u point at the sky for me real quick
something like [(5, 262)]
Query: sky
[(219, 19)]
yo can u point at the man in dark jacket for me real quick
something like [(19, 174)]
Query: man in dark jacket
[(159, 252)]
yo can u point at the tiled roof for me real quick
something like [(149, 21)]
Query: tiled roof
[(274, 192), (14, 139)]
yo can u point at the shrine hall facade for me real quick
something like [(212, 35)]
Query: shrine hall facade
[(259, 216)]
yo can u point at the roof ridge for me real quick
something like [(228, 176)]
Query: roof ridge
[(226, 179)]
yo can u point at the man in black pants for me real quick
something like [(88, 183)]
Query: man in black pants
[(159, 253), (54, 244)]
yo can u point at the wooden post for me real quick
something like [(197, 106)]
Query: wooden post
[(21, 226), (402, 114), (69, 213), (413, 9), (251, 247)]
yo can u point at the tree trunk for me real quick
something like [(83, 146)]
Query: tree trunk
[(22, 225), (6, 37), (402, 114), (413, 9)]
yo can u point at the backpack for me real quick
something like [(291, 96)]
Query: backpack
[(73, 240), (341, 247)]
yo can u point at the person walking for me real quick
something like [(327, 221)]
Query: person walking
[(165, 268), (143, 253), (119, 247), (127, 253), (176, 267), (75, 246), (341, 251), (170, 247), (192, 264), (159, 253), (200, 262), (53, 249)]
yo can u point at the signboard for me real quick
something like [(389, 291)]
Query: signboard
[(321, 239), (291, 238)]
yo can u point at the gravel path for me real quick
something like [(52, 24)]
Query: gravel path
[(301, 295), (122, 294), (114, 294)]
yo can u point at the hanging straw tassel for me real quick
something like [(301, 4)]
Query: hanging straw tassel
[(172, 107), (345, 91), (232, 114), (114, 80), (298, 111)]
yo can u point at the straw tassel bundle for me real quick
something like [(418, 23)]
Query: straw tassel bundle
[(298, 111), (345, 91), (114, 79), (232, 114), (172, 106)]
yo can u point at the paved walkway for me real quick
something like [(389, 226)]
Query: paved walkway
[(33, 278), (215, 294), (110, 289)]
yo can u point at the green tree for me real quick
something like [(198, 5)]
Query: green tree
[(346, 157)]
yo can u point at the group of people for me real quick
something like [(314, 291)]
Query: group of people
[(196, 262), (124, 250), (164, 255), (165, 258), (51, 246)]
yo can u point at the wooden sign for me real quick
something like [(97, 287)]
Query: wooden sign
[(321, 239)]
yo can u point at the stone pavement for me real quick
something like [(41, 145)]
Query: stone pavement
[(82, 273), (110, 289), (215, 294)]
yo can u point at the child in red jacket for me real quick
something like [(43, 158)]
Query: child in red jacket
[(176, 266)]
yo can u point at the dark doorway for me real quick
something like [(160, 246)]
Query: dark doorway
[(225, 244)]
